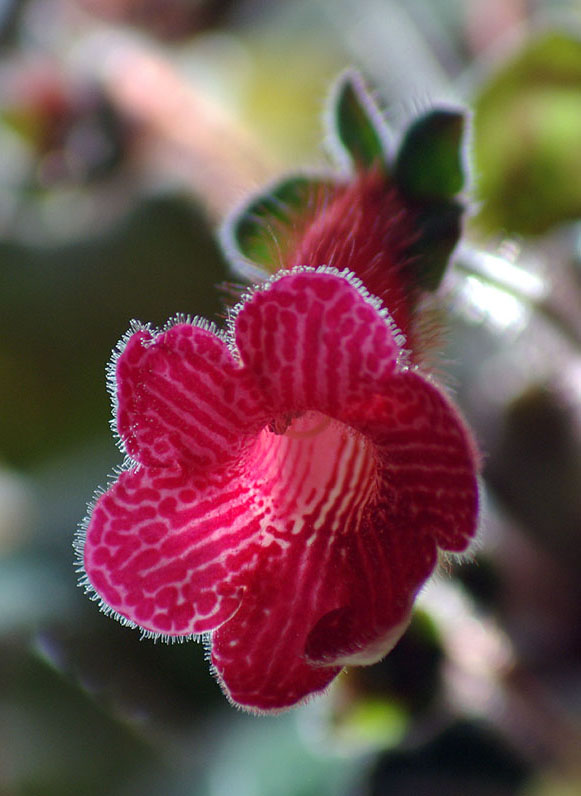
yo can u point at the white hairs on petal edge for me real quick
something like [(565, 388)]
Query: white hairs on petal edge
[(347, 276)]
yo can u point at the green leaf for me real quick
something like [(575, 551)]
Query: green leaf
[(440, 226), (527, 134), (268, 225), (359, 128), (429, 162)]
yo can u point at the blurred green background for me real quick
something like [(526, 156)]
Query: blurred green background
[(128, 128)]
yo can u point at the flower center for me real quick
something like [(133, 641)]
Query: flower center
[(314, 465)]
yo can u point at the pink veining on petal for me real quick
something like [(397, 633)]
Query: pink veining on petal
[(427, 497), (167, 549), (367, 226), (313, 341), (353, 565), (325, 477), (292, 501), (182, 399), (167, 541)]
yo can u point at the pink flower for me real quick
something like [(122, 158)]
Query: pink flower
[(288, 486)]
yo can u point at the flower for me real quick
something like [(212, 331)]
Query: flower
[(288, 485), (289, 482)]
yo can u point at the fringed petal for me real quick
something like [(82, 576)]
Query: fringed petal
[(429, 461), (258, 656), (168, 551), (182, 399), (313, 340), (317, 480), (427, 497), (291, 503)]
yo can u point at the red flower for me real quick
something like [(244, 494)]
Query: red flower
[(289, 484)]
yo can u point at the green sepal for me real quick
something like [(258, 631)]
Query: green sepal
[(439, 225), (357, 124), (429, 162), (261, 231)]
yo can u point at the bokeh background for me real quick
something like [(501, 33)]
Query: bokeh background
[(128, 128)]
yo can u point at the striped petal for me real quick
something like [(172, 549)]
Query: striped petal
[(312, 340), (362, 544), (291, 502), (427, 498), (182, 398), (166, 545), (167, 550), (429, 461), (316, 482), (258, 656)]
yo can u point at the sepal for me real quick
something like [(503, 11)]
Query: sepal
[(429, 162), (439, 229), (425, 174), (265, 229), (358, 131)]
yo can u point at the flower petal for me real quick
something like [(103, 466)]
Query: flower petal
[(387, 566), (312, 340), (258, 656), (429, 461), (317, 478), (292, 503), (428, 497), (183, 399), (168, 550)]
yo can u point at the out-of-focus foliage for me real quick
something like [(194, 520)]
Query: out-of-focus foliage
[(527, 128), (146, 268), (169, 20), (537, 468), (468, 757)]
